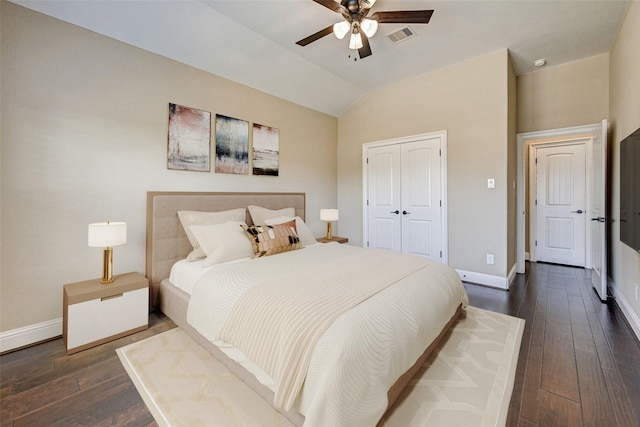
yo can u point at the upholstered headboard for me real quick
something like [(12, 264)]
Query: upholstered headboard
[(166, 240)]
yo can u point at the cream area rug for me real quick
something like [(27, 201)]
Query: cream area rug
[(467, 381)]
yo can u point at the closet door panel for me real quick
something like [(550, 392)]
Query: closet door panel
[(420, 188), (384, 216)]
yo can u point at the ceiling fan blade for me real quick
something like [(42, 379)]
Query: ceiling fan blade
[(365, 50), (332, 5), (403, 17), (313, 37)]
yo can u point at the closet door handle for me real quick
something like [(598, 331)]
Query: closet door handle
[(579, 211), (405, 213), (395, 212)]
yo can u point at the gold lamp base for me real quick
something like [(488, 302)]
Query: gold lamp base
[(329, 230), (107, 266)]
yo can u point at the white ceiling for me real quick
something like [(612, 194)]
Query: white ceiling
[(253, 42)]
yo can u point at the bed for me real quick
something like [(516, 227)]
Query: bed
[(321, 398)]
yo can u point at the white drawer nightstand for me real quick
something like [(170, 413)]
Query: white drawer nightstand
[(95, 313)]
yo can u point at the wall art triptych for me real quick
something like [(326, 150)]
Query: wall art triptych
[(189, 143)]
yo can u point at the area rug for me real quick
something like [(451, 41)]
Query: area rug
[(467, 381)]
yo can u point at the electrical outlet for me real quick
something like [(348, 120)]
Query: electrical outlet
[(490, 260), (491, 183)]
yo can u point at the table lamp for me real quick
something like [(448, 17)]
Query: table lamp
[(106, 235), (329, 215)]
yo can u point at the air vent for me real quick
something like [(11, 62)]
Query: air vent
[(401, 35)]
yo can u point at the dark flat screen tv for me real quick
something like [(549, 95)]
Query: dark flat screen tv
[(630, 190)]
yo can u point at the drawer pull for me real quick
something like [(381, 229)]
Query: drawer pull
[(111, 297)]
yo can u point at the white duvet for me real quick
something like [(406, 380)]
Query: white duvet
[(362, 353)]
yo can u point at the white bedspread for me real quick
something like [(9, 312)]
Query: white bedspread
[(364, 351)]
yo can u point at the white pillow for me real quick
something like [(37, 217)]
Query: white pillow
[(189, 218), (259, 215), (304, 233), (223, 242)]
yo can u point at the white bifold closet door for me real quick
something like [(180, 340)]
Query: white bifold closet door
[(404, 198)]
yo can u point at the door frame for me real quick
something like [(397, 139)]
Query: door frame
[(587, 141), (443, 183), (523, 139)]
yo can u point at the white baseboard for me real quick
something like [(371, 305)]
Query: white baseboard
[(32, 334), (487, 279), (628, 312)]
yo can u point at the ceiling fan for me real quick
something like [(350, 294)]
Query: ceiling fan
[(360, 25)]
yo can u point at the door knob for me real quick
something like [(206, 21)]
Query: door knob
[(395, 212), (579, 211), (405, 213)]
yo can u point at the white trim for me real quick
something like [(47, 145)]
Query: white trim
[(627, 310), (16, 338), (443, 183), (485, 279), (523, 138)]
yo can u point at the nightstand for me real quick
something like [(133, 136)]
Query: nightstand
[(95, 313), (333, 239)]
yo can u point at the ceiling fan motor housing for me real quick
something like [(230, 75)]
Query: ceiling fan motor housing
[(352, 11)]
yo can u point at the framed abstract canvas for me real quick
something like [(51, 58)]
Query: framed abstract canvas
[(189, 139), (266, 142), (232, 145)]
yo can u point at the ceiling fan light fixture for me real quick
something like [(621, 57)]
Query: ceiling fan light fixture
[(369, 26), (356, 41), (341, 29)]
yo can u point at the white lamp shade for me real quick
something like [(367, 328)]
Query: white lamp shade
[(329, 214), (356, 41), (369, 26), (341, 29), (107, 234)]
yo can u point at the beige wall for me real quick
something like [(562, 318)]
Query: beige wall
[(468, 100), (566, 95), (84, 137), (625, 118)]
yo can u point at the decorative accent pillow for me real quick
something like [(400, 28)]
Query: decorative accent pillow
[(260, 215), (305, 234), (223, 242), (189, 218), (272, 239)]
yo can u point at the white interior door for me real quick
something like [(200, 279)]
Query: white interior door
[(598, 213), (384, 198), (420, 186), (561, 204)]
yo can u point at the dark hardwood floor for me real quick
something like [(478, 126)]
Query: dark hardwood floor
[(579, 364)]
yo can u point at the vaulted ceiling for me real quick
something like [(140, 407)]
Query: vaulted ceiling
[(253, 42)]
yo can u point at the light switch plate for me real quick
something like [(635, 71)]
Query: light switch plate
[(491, 183)]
